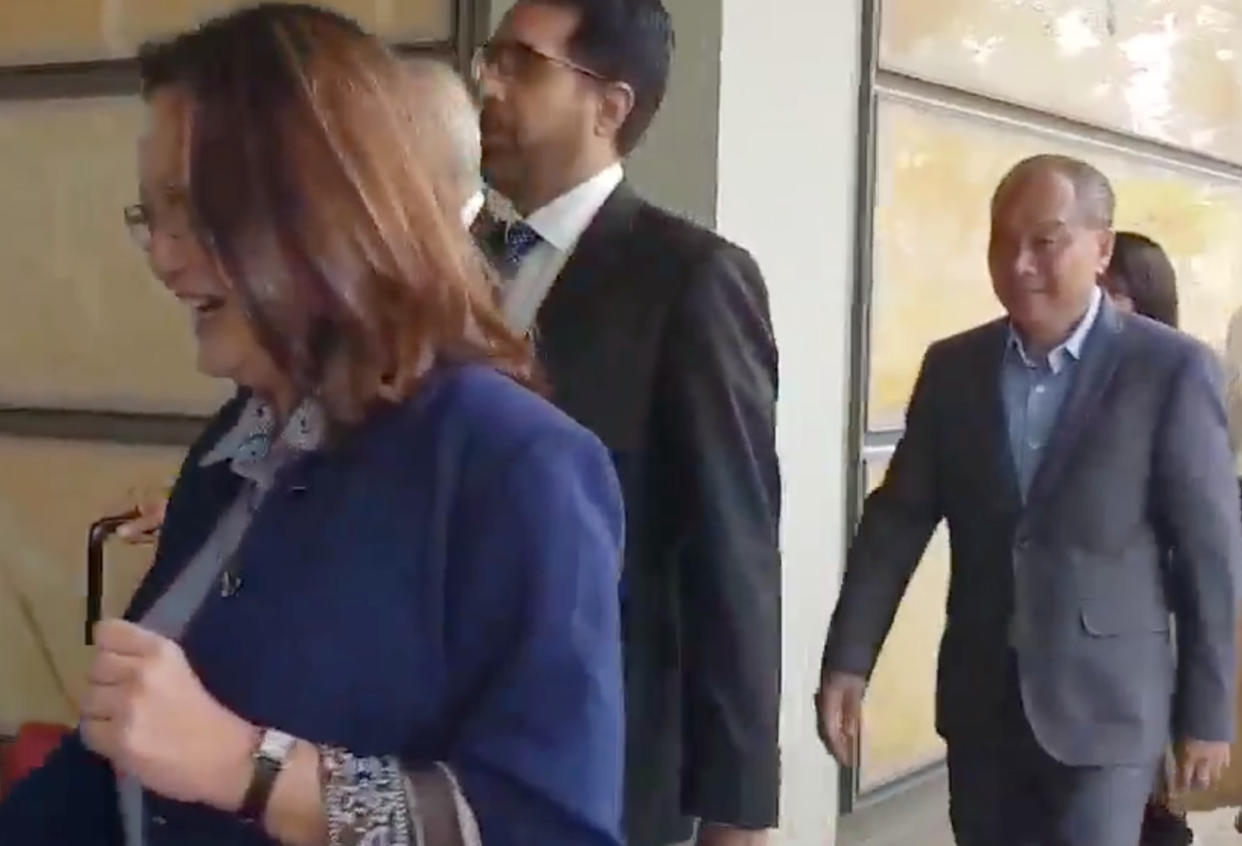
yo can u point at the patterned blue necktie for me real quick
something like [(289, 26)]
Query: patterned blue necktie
[(520, 239)]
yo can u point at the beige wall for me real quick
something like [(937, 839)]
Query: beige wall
[(676, 165), (84, 315), (83, 30), (50, 492)]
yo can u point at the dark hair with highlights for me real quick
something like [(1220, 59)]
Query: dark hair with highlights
[(1140, 269), (309, 184)]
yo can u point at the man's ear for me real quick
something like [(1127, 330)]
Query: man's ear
[(614, 108), (1108, 240)]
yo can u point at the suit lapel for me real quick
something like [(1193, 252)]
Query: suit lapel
[(993, 431), (580, 331), (1100, 356), (596, 253)]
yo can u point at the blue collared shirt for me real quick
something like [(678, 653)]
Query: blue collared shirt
[(1034, 389)]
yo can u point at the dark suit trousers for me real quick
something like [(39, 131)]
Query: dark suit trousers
[(1007, 791)]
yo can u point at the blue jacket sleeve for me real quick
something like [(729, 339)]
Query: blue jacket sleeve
[(70, 799), (534, 645)]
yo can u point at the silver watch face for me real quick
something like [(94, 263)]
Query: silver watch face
[(275, 745)]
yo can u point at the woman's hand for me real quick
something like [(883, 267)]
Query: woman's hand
[(147, 713)]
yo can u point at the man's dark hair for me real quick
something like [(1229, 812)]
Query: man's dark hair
[(1141, 270), (628, 41)]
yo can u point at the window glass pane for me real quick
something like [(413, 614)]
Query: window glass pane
[(75, 30), (82, 321), (899, 724), (1166, 69), (50, 492), (936, 171)]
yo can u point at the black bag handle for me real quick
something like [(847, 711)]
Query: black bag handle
[(100, 531)]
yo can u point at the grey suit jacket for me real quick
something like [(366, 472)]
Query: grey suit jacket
[(1077, 582)]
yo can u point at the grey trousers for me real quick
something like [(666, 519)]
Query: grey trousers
[(1010, 791), (1006, 800)]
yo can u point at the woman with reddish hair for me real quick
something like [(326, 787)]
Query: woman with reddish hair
[(1140, 278), (384, 604)]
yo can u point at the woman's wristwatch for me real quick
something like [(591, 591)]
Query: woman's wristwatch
[(270, 756)]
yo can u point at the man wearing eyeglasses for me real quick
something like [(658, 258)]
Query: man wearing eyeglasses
[(654, 333)]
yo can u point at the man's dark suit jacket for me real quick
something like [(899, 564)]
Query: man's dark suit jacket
[(1075, 581), (657, 337)]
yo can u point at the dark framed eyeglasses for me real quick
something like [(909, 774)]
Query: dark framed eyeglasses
[(141, 223), (138, 224), (508, 60)]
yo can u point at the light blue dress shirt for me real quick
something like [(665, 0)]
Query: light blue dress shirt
[(1034, 389)]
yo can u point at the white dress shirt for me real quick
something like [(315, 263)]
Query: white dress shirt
[(560, 224)]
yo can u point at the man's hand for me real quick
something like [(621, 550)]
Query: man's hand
[(1200, 763), (839, 706), (723, 835), (145, 528)]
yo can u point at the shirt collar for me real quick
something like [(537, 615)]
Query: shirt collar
[(562, 221), (253, 437), (1071, 346)]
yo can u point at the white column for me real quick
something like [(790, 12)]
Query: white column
[(787, 162)]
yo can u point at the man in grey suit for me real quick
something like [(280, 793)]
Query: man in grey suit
[(1081, 459)]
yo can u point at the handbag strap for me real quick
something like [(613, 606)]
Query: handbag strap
[(439, 810)]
